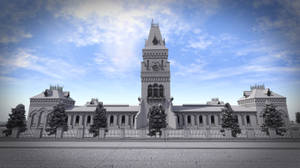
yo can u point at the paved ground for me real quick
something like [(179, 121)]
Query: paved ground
[(54, 154)]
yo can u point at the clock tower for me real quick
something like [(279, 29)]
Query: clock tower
[(155, 79)]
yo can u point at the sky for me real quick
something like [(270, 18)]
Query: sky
[(94, 49)]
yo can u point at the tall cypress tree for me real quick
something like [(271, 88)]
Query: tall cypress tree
[(57, 119), (298, 117), (272, 118), (16, 119), (99, 120), (157, 120), (229, 121)]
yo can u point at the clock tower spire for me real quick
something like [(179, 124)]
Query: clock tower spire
[(155, 79)]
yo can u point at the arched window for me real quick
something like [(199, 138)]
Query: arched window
[(189, 119), (178, 119), (161, 91), (42, 115), (200, 119), (111, 120), (77, 120), (248, 119), (236, 118), (123, 119), (212, 119), (32, 120), (88, 120), (155, 90), (150, 90)]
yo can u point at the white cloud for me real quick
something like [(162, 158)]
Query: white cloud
[(285, 21), (26, 59), (119, 27), (10, 34)]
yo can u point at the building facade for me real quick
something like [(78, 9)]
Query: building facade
[(155, 90)]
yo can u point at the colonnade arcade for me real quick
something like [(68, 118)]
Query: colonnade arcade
[(197, 120), (114, 120)]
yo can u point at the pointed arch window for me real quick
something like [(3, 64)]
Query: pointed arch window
[(212, 119), (150, 90), (189, 119), (88, 119), (200, 119), (123, 120), (77, 119), (161, 91), (111, 119), (248, 119), (33, 120)]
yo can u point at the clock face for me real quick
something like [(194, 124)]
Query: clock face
[(155, 67)]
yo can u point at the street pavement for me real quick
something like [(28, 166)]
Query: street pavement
[(121, 154)]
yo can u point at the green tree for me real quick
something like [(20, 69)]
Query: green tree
[(229, 121), (298, 117), (16, 119), (99, 120), (157, 120), (57, 119), (272, 118)]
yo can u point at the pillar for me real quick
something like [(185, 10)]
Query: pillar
[(126, 120), (207, 119), (74, 119), (69, 120), (80, 120), (84, 120), (115, 120), (185, 121), (92, 120)]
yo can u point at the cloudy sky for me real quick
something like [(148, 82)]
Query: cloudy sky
[(94, 49)]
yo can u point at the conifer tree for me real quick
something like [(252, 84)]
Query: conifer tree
[(157, 120), (57, 119), (99, 120), (16, 120), (229, 121), (272, 118), (298, 117)]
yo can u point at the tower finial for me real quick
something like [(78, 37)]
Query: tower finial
[(152, 21)]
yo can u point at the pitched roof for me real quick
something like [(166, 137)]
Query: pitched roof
[(260, 93), (53, 94), (109, 108), (210, 108), (154, 40)]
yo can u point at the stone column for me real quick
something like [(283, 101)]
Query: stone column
[(126, 120), (240, 119), (219, 119), (74, 119), (185, 121), (192, 120), (80, 120), (115, 120), (92, 120), (84, 120), (132, 118), (243, 120), (207, 119), (69, 120), (195, 121)]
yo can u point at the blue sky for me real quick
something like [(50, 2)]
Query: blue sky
[(94, 49)]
